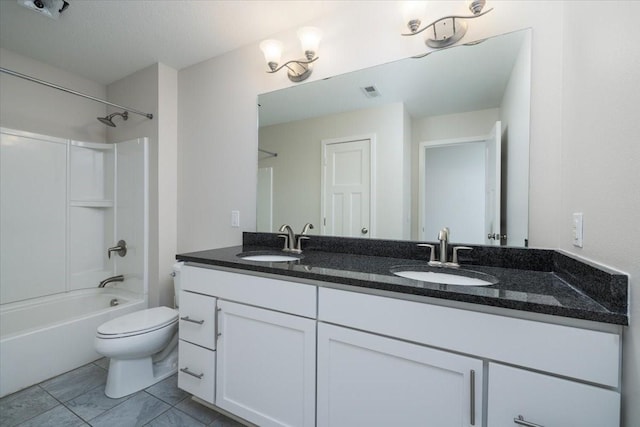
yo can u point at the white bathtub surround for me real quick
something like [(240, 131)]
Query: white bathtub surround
[(63, 203), (45, 337)]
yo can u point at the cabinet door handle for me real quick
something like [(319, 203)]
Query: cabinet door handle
[(188, 372), (472, 404), (186, 319), (217, 327), (522, 422)]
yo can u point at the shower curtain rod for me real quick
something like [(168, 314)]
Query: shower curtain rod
[(73, 92)]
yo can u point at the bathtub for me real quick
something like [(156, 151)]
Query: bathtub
[(44, 337)]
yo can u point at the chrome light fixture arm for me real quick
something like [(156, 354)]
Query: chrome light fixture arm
[(448, 30), (452, 17), (274, 67)]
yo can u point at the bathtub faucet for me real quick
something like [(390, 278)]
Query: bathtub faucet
[(111, 279)]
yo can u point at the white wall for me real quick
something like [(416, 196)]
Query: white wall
[(297, 168), (218, 126), (32, 107), (515, 117), (154, 90), (601, 154)]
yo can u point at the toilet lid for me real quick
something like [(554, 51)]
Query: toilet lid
[(140, 321)]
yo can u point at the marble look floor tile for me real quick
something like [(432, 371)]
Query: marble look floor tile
[(167, 390), (23, 405), (93, 403), (136, 411), (175, 418), (224, 421), (198, 411), (103, 363), (56, 417), (74, 383)]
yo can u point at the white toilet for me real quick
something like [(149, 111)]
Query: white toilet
[(142, 347)]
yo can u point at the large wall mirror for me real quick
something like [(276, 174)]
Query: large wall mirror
[(401, 150)]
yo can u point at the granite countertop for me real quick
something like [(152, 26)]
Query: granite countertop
[(553, 283)]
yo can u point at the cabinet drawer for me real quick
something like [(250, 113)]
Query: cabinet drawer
[(547, 401), (197, 371), (588, 355), (274, 294), (198, 319)]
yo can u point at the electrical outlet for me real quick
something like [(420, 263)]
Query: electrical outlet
[(576, 229), (235, 218)]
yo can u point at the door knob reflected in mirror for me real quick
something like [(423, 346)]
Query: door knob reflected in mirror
[(364, 230)]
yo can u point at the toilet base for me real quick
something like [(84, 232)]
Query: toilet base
[(127, 376)]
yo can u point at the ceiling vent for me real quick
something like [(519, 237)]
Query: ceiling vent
[(370, 91), (49, 8)]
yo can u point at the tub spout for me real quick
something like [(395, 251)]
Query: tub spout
[(111, 279)]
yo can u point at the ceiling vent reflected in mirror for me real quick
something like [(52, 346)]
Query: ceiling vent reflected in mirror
[(370, 91)]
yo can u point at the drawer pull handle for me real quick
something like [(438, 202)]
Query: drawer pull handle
[(186, 319), (472, 386), (522, 422), (188, 372)]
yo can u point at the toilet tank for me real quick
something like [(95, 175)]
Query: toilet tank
[(177, 268)]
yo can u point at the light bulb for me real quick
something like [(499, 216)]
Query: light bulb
[(412, 12), (272, 50), (476, 6), (310, 40)]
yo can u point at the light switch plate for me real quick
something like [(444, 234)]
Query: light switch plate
[(577, 230), (235, 218)]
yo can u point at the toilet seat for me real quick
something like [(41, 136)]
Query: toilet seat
[(137, 323)]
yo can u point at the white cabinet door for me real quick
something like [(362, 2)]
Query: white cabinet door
[(369, 380), (266, 366), (522, 398), (198, 319), (197, 370)]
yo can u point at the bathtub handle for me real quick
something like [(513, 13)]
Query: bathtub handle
[(186, 319), (188, 372)]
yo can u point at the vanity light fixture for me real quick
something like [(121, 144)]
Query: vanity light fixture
[(444, 31), (299, 69)]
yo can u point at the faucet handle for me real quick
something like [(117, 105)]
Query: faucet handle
[(286, 241), (299, 243), (454, 261), (432, 255)]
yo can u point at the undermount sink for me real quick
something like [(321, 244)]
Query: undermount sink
[(459, 277), (268, 257)]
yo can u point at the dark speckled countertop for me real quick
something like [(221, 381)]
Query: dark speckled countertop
[(532, 280)]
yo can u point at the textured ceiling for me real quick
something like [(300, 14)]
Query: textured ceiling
[(106, 40)]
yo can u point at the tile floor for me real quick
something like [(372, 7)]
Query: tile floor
[(77, 398)]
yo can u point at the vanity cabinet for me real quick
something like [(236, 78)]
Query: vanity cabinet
[(522, 398), (266, 366), (577, 355), (263, 345), (282, 353), (370, 380), (197, 345)]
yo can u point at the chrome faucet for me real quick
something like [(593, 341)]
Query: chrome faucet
[(291, 243), (111, 279), (289, 238), (443, 237), (303, 236)]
